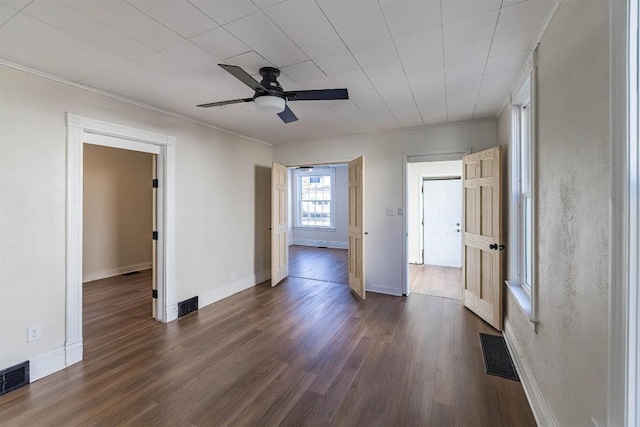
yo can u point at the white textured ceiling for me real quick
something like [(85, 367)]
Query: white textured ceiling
[(405, 63)]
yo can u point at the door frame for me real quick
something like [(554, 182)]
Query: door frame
[(624, 298), (434, 155), (82, 130), (296, 164), (433, 178)]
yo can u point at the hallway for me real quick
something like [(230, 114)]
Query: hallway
[(435, 281)]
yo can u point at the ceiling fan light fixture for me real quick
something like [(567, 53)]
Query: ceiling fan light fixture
[(270, 104), (268, 95)]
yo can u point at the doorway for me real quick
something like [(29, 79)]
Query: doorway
[(81, 131), (318, 222), (118, 212), (118, 250), (440, 273), (312, 208), (433, 224)]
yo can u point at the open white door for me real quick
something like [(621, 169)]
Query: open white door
[(442, 219), (356, 227), (279, 248), (483, 281)]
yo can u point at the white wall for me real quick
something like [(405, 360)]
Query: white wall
[(222, 206), (339, 237), (117, 211), (416, 172), (568, 354), (384, 182)]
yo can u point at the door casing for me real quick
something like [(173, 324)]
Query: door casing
[(411, 157), (82, 130)]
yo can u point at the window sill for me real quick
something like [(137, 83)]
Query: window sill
[(522, 296), (298, 227)]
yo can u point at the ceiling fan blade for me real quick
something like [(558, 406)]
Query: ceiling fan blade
[(232, 101), (287, 115), (317, 95), (244, 77)]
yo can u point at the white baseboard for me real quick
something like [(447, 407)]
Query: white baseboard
[(539, 405), (387, 290), (47, 364), (325, 243), (233, 288), (73, 352), (172, 313), (90, 277)]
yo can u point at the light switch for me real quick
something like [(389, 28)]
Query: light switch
[(390, 212), (399, 211)]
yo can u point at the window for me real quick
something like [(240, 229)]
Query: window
[(314, 203), (525, 195), (522, 257)]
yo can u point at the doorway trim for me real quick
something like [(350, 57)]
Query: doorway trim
[(623, 406), (82, 130), (434, 155)]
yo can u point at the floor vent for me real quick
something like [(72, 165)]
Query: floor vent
[(187, 306), (497, 360), (14, 377)]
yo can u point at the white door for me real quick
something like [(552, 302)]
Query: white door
[(279, 223), (442, 222), (356, 227)]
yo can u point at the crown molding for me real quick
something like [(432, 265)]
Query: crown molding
[(127, 100)]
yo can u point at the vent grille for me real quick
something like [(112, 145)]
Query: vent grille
[(187, 306), (14, 377)]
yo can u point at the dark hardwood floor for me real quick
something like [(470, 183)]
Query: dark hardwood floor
[(302, 353), (324, 264), (435, 280)]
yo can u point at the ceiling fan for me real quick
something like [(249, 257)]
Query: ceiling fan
[(269, 96)]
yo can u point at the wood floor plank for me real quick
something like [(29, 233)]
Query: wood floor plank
[(240, 397), (329, 364), (326, 408), (422, 329), (301, 411), (435, 280), (277, 399), (303, 353), (322, 264)]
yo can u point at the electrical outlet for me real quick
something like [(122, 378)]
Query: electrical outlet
[(232, 277), (33, 333), (390, 212)]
